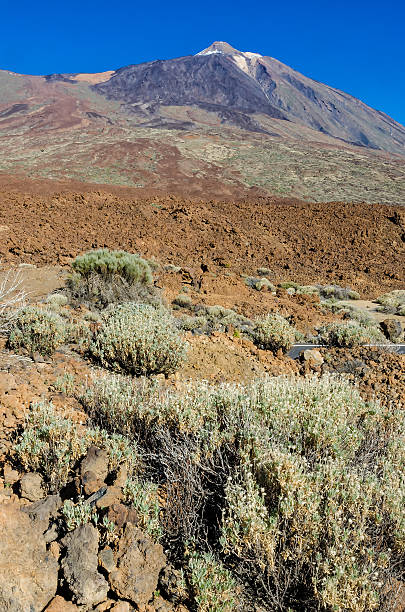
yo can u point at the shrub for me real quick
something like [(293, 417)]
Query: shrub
[(106, 277), (78, 514), (97, 291), (348, 334), (212, 585), (56, 300), (215, 318), (182, 300), (339, 293), (35, 329), (263, 271), (108, 264), (52, 445), (393, 302), (298, 484), (143, 496), (259, 283), (138, 339), (12, 297), (273, 332)]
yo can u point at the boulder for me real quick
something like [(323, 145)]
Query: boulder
[(58, 604), (28, 573), (94, 469), (31, 486), (44, 509), (79, 566), (392, 329), (139, 562), (313, 357), (10, 475), (96, 462)]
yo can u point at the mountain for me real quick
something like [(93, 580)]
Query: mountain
[(217, 124), (224, 80)]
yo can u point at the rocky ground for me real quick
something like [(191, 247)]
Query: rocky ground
[(206, 251), (360, 246)]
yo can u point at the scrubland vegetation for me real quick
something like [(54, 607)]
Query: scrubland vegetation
[(285, 493)]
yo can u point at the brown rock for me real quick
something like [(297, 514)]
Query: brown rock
[(90, 483), (54, 549), (106, 559), (58, 604), (313, 357), (120, 514), (392, 329), (28, 573), (96, 462), (113, 496), (10, 475), (31, 486), (122, 475), (139, 562), (80, 566), (121, 606)]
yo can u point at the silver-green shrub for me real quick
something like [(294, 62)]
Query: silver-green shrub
[(307, 480), (213, 587), (347, 334), (52, 445), (392, 302), (129, 266), (36, 329), (138, 339), (273, 332)]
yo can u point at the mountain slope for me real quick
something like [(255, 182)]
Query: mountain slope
[(221, 77), (220, 124)]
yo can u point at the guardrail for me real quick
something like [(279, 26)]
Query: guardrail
[(297, 349)]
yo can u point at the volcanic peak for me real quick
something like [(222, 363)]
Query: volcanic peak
[(224, 48)]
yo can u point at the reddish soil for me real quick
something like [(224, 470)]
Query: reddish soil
[(355, 245)]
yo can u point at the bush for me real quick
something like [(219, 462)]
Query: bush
[(393, 302), (273, 332), (12, 297), (339, 293), (213, 587), (106, 263), (52, 445), (259, 283), (297, 484), (215, 318), (182, 300), (106, 277), (56, 300), (348, 334), (35, 329), (138, 339)]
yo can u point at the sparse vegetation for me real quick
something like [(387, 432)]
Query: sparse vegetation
[(349, 334), (106, 277), (52, 445), (259, 284), (183, 301), (339, 293), (305, 478), (208, 319), (36, 330), (138, 339), (110, 264), (393, 302), (213, 587), (274, 332)]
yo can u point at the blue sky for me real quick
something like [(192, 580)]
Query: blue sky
[(356, 46)]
